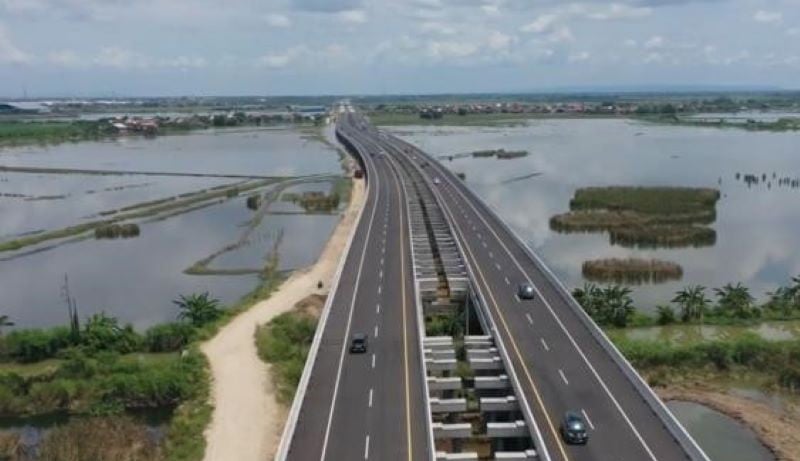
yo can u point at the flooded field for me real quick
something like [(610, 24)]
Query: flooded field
[(721, 437), (757, 242), (136, 278)]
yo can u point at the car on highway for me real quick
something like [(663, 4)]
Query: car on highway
[(358, 343), (437, 181), (573, 429), (525, 291)]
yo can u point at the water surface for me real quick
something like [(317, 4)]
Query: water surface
[(758, 227), (721, 437)]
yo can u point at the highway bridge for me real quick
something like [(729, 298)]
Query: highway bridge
[(458, 367)]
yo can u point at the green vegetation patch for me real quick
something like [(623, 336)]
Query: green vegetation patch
[(643, 216), (284, 343), (778, 359), (23, 132), (649, 200), (89, 439)]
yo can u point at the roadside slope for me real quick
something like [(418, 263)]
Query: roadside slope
[(247, 421)]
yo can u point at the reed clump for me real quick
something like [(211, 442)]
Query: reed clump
[(91, 439), (314, 201), (631, 270), (643, 216)]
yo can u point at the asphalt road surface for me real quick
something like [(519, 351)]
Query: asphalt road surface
[(370, 405), (560, 364)]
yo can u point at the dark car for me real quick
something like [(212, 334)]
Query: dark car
[(525, 291), (358, 345), (573, 429)]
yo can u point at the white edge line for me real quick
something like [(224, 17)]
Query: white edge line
[(569, 336), (297, 402)]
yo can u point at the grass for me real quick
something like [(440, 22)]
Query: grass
[(631, 270), (782, 124), (779, 360), (663, 236), (284, 343), (14, 132), (681, 201), (88, 439)]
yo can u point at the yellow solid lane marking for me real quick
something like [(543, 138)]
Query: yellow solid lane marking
[(405, 315), (539, 400)]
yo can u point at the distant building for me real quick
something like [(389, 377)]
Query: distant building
[(313, 112), (23, 108)]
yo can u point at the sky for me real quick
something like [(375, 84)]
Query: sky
[(101, 48)]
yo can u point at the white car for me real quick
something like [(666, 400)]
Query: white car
[(436, 181)]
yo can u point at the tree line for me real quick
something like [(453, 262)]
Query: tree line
[(612, 305)]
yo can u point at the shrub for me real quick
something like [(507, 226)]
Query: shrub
[(91, 439), (168, 337), (35, 345), (102, 332)]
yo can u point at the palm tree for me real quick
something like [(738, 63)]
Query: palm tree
[(5, 322), (617, 305), (693, 302), (587, 297), (735, 300), (794, 292), (198, 309)]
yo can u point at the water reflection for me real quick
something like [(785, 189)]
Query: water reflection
[(757, 239), (135, 279), (721, 437)]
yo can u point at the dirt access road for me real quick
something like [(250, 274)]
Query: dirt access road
[(247, 421)]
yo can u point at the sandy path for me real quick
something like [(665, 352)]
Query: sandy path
[(247, 421)]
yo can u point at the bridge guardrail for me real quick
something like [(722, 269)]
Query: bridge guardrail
[(682, 437)]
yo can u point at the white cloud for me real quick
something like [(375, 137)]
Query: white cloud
[(491, 10), (768, 16), (654, 42), (278, 20), (654, 57), (120, 58), (560, 35), (353, 16), (630, 43), (184, 62), (579, 57), (541, 24), (499, 41), (616, 11), (451, 49), (9, 53), (437, 27), (793, 31), (279, 61), (65, 58)]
